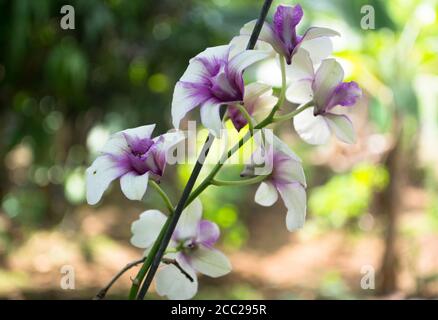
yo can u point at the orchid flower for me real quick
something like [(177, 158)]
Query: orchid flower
[(284, 175), (191, 247), (213, 78), (257, 97), (283, 37), (134, 157), (314, 125)]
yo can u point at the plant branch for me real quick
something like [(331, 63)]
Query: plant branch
[(292, 114), (247, 117), (176, 264), (163, 195), (235, 183), (168, 230), (102, 293)]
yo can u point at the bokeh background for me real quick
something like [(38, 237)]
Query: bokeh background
[(62, 92)]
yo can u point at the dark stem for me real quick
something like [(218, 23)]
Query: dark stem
[(176, 264), (102, 293), (194, 175)]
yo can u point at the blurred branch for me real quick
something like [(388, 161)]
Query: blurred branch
[(102, 293)]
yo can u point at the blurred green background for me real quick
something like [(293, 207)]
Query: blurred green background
[(62, 92)]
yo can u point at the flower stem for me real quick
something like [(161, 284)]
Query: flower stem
[(247, 117), (292, 114), (235, 183), (163, 195)]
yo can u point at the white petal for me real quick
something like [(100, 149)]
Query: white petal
[(210, 262), (294, 197), (116, 144), (300, 91), (328, 76), (211, 54), (239, 43), (342, 127), (316, 32), (246, 58), (301, 66), (279, 145), (266, 34), (140, 132), (255, 90), (290, 171), (171, 282), (184, 100), (146, 229), (313, 130), (98, 177), (319, 48), (210, 117), (133, 185), (167, 144), (266, 194), (188, 223)]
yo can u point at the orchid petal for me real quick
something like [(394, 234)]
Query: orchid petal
[(210, 262), (301, 67), (141, 132), (266, 194), (145, 230), (294, 198), (286, 18), (317, 32), (342, 127), (318, 48), (266, 34), (246, 58), (208, 233), (312, 129), (186, 97), (133, 185), (166, 145), (188, 223), (171, 282), (210, 117), (116, 145), (99, 175), (346, 94), (327, 78), (288, 170), (300, 91)]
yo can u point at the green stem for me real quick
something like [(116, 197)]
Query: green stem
[(247, 116), (283, 84), (245, 182), (163, 195), (292, 114)]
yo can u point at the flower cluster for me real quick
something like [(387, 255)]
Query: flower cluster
[(214, 82)]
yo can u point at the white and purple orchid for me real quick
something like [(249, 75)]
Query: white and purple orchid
[(284, 175), (327, 90), (134, 157), (258, 97), (213, 78), (282, 35), (191, 248)]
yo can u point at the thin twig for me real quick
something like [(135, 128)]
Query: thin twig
[(102, 293), (176, 264), (194, 175)]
